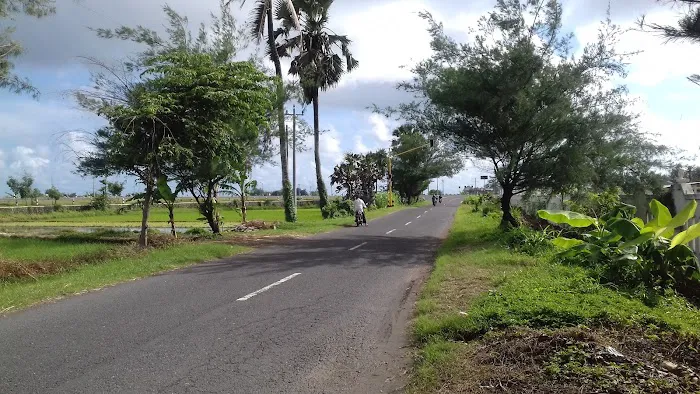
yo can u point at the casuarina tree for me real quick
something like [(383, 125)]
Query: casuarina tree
[(517, 98)]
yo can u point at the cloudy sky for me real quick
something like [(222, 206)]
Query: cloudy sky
[(36, 135)]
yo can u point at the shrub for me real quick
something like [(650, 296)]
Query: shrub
[(621, 249), (99, 202), (528, 241), (596, 205), (381, 199), (197, 231), (338, 208)]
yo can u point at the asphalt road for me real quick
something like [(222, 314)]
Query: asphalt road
[(325, 314)]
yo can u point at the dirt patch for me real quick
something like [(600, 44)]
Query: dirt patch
[(578, 360)]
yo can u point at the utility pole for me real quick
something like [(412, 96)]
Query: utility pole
[(294, 149)]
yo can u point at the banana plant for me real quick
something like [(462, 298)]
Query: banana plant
[(168, 196), (620, 237)]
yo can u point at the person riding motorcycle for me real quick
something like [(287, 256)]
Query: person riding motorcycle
[(440, 198), (434, 199), (360, 210)]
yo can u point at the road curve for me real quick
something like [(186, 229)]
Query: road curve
[(324, 314)]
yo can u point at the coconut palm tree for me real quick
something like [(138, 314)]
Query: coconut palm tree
[(262, 25), (317, 63)]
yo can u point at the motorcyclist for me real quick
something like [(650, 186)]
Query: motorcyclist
[(434, 199), (360, 209), (440, 198)]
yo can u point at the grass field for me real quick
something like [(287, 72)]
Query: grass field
[(47, 258), (184, 217), (490, 317)]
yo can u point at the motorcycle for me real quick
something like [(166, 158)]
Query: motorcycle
[(434, 201), (358, 219)]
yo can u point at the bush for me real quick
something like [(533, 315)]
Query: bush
[(58, 208), (338, 208), (197, 231), (99, 202), (528, 241), (596, 205), (381, 199), (621, 249)]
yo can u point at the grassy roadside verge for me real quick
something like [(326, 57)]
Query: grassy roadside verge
[(492, 320), (16, 295)]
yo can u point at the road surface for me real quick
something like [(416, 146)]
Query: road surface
[(325, 314)]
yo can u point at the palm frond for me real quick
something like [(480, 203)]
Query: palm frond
[(258, 19)]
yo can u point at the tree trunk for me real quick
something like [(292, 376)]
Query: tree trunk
[(320, 184), (171, 215), (146, 210), (290, 213), (209, 212), (243, 208), (508, 220)]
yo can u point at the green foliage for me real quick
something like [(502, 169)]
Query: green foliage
[(10, 48), (358, 174), (531, 242), (21, 188), (623, 250), (434, 192), (197, 231), (412, 171), (54, 194), (381, 200), (596, 204), (521, 291), (338, 208), (99, 202), (494, 96)]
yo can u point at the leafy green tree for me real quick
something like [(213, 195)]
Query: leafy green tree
[(213, 110), (434, 192), (54, 194), (114, 188), (10, 48), (262, 25), (517, 98), (21, 187), (317, 64), (133, 143), (413, 171), (358, 175)]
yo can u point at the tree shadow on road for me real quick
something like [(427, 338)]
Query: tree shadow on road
[(377, 251)]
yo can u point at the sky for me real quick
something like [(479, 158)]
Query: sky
[(40, 136)]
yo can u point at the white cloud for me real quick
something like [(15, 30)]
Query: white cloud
[(330, 146), (28, 159), (380, 127), (360, 146)]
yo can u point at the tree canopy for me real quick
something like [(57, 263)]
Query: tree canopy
[(10, 48), (358, 175), (518, 98), (413, 171)]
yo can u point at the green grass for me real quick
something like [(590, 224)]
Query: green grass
[(184, 217), (28, 249), (16, 295), (478, 287)]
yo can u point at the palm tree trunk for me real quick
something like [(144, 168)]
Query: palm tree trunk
[(290, 214), (320, 184)]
